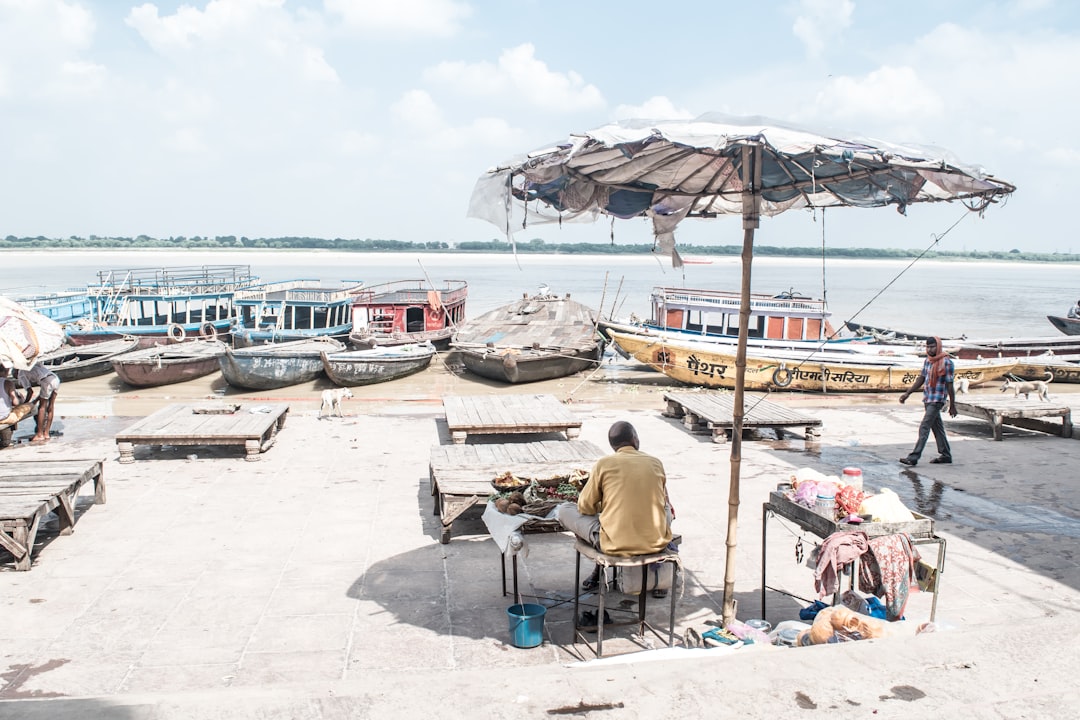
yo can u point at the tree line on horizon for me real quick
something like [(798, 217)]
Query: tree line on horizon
[(534, 246)]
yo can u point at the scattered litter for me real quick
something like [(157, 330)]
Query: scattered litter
[(260, 409), (192, 457)]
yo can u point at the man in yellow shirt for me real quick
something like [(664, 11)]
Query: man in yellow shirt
[(623, 509)]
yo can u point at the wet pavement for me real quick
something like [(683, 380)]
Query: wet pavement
[(312, 583)]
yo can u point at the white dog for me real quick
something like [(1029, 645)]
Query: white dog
[(1040, 387), (963, 385), (331, 401)]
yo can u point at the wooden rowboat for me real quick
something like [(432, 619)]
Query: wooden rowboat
[(78, 362), (276, 365), (168, 364), (708, 365), (367, 367)]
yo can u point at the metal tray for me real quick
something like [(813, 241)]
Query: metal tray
[(921, 527)]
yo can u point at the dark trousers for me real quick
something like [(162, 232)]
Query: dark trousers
[(931, 422)]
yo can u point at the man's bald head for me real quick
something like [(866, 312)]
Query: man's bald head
[(622, 434)]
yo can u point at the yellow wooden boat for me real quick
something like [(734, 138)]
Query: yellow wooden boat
[(712, 365)]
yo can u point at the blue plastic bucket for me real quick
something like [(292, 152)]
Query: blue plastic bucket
[(526, 624)]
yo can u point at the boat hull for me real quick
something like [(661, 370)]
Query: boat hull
[(703, 366), (1069, 326), (528, 365), (368, 367), (440, 339), (254, 338), (169, 365), (268, 367), (150, 335), (73, 363)]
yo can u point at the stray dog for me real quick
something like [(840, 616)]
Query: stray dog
[(962, 385), (1039, 387), (331, 401)]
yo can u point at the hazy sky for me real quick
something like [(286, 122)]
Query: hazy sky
[(359, 119)]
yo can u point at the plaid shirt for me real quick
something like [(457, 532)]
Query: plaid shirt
[(938, 392)]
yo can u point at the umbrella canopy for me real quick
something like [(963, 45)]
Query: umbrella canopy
[(25, 334), (669, 171), (714, 165)]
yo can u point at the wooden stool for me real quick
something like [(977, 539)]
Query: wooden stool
[(623, 561)]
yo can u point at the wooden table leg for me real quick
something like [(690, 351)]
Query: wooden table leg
[(572, 432), (65, 513), (253, 448), (458, 437)]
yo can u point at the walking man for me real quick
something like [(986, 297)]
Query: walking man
[(936, 381)]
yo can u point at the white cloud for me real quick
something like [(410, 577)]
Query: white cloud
[(895, 93), (430, 18), (657, 107), (519, 73), (821, 22), (41, 47), (417, 109)]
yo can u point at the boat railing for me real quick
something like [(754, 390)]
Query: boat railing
[(732, 301), (206, 279), (411, 292)]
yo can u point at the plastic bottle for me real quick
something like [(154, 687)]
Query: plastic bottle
[(826, 500), (853, 477)]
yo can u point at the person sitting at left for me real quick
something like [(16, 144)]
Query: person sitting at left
[(12, 407)]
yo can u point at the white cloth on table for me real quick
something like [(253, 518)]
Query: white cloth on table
[(501, 526)]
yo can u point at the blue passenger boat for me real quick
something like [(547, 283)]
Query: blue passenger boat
[(293, 310)]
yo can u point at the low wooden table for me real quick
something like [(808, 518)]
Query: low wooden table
[(31, 489), (461, 475), (509, 414), (711, 412), (206, 424), (1027, 414)]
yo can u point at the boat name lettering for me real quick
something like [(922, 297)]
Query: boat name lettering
[(909, 377), (705, 368), (847, 376)]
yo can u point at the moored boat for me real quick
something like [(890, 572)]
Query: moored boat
[(407, 311), (276, 365), (78, 362), (1067, 325), (293, 310), (541, 337), (711, 365), (367, 367), (161, 305), (169, 364), (64, 307)]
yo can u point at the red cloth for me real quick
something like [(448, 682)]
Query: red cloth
[(937, 363)]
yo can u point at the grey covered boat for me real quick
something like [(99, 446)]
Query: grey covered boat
[(541, 337)]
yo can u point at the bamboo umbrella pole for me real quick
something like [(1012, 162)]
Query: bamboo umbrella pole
[(751, 172)]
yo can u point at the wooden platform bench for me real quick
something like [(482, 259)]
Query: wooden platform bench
[(711, 412), (507, 414), (252, 426), (461, 475), (1027, 414), (31, 489)]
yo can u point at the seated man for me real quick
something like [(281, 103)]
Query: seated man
[(47, 384), (12, 409), (1074, 311), (623, 508)]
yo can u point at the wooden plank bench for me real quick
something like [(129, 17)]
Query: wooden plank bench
[(711, 412), (31, 489), (507, 414), (461, 475), (1027, 414), (206, 424)]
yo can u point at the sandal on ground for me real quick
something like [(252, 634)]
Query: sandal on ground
[(660, 593)]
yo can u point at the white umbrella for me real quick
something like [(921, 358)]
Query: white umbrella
[(713, 165), (25, 334)]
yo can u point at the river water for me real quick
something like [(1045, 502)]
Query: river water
[(976, 299)]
